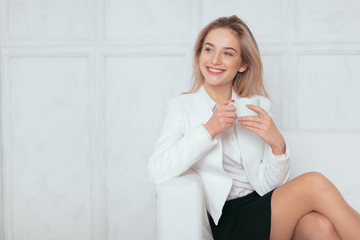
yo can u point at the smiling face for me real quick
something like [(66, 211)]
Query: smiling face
[(220, 58)]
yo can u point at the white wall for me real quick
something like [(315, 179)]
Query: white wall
[(83, 85)]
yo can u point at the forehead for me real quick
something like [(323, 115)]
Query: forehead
[(223, 37)]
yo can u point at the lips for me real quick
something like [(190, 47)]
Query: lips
[(214, 71)]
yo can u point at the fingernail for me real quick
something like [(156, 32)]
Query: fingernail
[(248, 105)]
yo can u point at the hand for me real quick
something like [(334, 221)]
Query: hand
[(265, 127), (223, 118)]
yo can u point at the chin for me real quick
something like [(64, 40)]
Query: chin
[(215, 84), (216, 81)]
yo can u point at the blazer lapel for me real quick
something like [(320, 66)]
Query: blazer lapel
[(202, 113)]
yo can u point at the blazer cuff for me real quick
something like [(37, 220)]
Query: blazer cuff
[(207, 133), (282, 156)]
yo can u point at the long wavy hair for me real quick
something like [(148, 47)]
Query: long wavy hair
[(247, 83)]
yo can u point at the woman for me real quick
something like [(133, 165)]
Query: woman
[(243, 162)]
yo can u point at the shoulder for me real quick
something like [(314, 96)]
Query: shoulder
[(180, 107), (183, 100)]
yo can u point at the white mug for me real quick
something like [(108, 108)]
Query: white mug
[(241, 108)]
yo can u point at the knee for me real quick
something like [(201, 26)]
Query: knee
[(315, 224), (317, 182), (324, 225)]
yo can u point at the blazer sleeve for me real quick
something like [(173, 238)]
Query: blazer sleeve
[(274, 170), (177, 150)]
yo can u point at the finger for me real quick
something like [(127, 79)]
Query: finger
[(254, 125), (251, 118), (259, 110), (226, 108), (225, 119), (226, 125), (254, 130), (230, 120), (230, 114), (229, 108)]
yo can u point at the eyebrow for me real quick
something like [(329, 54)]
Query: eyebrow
[(212, 45)]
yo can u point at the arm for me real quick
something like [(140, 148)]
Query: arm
[(274, 169), (275, 166), (176, 151)]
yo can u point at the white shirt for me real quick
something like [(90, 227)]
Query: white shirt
[(231, 153)]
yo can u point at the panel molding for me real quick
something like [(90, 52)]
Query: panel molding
[(298, 39), (282, 53), (103, 40), (102, 57), (7, 121), (7, 41), (298, 53), (9, 231), (279, 40)]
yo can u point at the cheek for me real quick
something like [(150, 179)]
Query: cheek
[(235, 65), (201, 65), (202, 59), (202, 70)]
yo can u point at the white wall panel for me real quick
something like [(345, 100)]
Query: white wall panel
[(328, 20), (266, 19), (142, 22), (136, 91), (274, 75), (328, 86), (49, 21), (48, 150)]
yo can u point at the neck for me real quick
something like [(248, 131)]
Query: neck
[(220, 94)]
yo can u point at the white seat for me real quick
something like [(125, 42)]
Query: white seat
[(181, 209)]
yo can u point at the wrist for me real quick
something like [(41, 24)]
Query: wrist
[(209, 130), (279, 148)]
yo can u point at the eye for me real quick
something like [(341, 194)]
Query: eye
[(208, 49), (227, 54)]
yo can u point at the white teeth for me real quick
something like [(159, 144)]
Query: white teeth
[(215, 70)]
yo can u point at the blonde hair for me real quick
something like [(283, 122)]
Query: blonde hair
[(247, 83)]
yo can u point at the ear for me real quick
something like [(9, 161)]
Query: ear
[(242, 68)]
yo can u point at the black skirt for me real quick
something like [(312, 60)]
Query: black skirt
[(247, 217)]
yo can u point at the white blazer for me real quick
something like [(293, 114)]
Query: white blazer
[(184, 144)]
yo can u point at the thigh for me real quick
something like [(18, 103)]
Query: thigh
[(289, 203), (303, 194)]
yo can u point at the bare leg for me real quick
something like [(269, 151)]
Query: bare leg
[(314, 226), (304, 194)]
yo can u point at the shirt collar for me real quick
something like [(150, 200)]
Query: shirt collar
[(212, 104)]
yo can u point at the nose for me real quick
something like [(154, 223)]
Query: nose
[(215, 60)]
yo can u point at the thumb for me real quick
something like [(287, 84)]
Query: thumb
[(228, 102)]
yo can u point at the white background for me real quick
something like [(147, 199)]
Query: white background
[(83, 86)]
